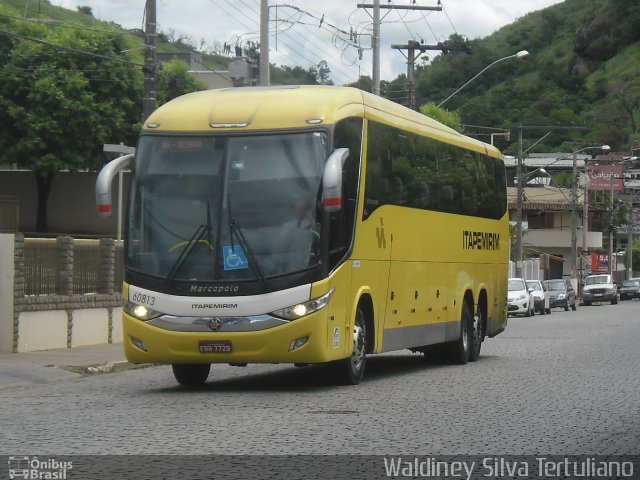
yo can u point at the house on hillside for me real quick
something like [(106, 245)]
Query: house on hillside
[(242, 71)]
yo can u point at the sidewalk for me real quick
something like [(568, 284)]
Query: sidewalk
[(18, 369)]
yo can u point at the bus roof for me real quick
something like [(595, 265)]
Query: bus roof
[(286, 107)]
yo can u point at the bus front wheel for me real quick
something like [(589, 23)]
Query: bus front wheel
[(350, 371), (191, 374)]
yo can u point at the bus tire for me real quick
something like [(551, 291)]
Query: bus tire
[(350, 371), (477, 336), (191, 374), (459, 351)]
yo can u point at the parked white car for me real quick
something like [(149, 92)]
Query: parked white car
[(599, 288), (541, 296), (519, 298)]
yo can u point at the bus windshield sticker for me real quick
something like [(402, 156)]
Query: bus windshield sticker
[(234, 257)]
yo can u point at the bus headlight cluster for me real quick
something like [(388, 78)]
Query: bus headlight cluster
[(301, 309), (140, 311)]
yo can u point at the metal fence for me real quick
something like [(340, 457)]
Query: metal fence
[(40, 266), (45, 258)]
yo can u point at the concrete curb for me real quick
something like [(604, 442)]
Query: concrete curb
[(20, 369)]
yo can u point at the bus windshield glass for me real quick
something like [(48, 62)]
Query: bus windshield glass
[(207, 208)]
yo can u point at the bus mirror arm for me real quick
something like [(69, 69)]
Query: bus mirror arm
[(103, 183), (332, 180)]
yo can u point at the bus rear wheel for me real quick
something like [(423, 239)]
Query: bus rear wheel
[(477, 336), (460, 350), (191, 374), (350, 371)]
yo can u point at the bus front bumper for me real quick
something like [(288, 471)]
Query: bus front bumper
[(305, 340)]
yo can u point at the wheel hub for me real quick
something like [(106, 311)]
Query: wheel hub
[(357, 357)]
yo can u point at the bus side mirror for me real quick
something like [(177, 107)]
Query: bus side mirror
[(332, 180), (103, 183)]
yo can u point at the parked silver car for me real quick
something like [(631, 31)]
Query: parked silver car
[(541, 296), (561, 293)]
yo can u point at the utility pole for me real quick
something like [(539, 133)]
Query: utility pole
[(520, 200), (574, 220), (411, 46), (375, 45), (149, 69), (264, 43), (522, 180), (375, 41), (611, 228), (629, 262)]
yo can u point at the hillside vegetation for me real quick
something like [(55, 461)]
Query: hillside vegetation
[(583, 70)]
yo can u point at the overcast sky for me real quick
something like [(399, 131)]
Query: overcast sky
[(303, 40)]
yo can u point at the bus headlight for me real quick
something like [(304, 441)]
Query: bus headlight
[(300, 310), (141, 312)]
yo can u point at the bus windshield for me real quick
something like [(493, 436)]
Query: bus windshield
[(207, 208)]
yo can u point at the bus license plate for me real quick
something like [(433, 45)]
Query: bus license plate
[(215, 346)]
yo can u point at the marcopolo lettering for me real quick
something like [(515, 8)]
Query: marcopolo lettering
[(472, 240), (213, 288)]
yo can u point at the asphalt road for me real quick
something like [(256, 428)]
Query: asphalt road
[(565, 383)]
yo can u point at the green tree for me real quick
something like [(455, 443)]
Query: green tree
[(322, 73), (285, 75), (174, 79), (363, 83), (61, 98), (450, 119), (86, 10)]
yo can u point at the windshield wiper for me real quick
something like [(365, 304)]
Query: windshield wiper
[(202, 231), (251, 258)]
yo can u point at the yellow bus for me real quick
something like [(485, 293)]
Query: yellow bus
[(304, 225)]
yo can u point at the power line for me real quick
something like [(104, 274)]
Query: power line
[(292, 48), (323, 24), (235, 18), (336, 71)]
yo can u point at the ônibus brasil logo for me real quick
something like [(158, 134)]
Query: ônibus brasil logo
[(34, 468)]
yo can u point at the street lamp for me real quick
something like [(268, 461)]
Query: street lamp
[(629, 262), (574, 215), (520, 54), (630, 236), (521, 181)]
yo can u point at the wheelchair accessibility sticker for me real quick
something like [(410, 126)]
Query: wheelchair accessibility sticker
[(234, 257)]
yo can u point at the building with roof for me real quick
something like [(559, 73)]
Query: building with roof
[(547, 208)]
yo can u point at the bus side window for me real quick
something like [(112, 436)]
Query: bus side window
[(347, 134)]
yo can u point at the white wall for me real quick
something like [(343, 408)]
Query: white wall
[(42, 330), (6, 292)]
